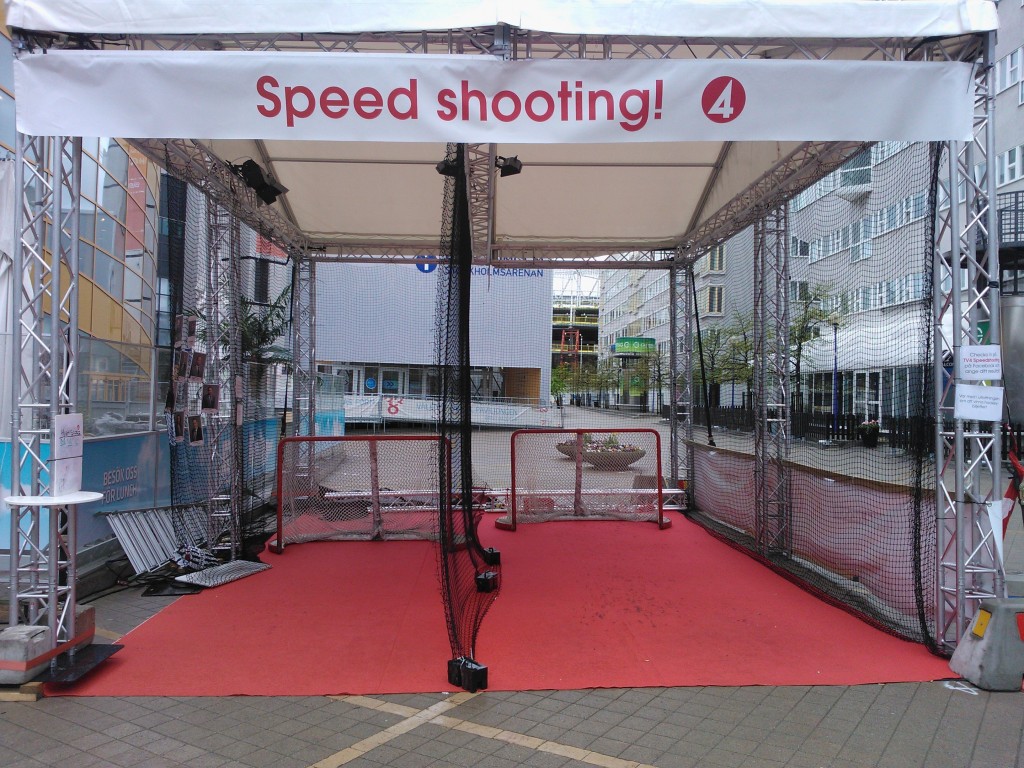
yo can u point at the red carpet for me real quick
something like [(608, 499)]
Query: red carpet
[(583, 605)]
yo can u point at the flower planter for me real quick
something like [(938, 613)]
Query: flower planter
[(613, 460), (567, 449), (870, 439)]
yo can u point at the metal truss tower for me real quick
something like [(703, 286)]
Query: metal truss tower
[(304, 345), (966, 313), (44, 362), (681, 324), (773, 514)]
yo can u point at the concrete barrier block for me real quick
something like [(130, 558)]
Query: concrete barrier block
[(990, 654), (19, 646), (25, 650)]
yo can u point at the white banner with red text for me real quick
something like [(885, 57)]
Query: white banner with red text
[(481, 99)]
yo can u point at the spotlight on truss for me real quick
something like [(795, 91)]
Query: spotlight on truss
[(508, 166), (448, 168), (258, 181)]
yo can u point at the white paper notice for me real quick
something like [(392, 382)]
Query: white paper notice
[(67, 476), (67, 435), (975, 403), (981, 362)]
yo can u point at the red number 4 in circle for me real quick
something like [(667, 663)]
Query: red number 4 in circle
[(723, 99)]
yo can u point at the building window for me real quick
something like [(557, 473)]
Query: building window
[(716, 259), (860, 237), (799, 290), (713, 299), (1008, 71), (1008, 166), (856, 171)]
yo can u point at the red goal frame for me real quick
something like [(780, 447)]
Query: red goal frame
[(579, 512)]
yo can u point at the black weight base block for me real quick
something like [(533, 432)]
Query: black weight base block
[(487, 581), (170, 589), (69, 668), (492, 556), (467, 674)]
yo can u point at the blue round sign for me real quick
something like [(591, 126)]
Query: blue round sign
[(371, 383), (427, 268)]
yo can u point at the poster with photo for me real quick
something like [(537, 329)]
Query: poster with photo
[(179, 427), (169, 401), (195, 430), (179, 330), (181, 395), (182, 361), (191, 330), (198, 366), (211, 398)]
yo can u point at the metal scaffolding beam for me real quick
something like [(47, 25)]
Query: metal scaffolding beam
[(773, 513), (304, 346), (966, 313), (681, 321), (44, 362)]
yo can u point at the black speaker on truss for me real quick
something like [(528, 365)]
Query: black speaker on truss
[(262, 184)]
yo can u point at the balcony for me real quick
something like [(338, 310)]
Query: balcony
[(586, 349), (1010, 210), (577, 319)]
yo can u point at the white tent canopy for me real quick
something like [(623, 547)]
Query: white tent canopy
[(369, 189), (686, 18)]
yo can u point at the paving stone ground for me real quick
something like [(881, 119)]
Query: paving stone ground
[(931, 725)]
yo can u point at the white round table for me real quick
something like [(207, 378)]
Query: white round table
[(78, 497), (61, 618)]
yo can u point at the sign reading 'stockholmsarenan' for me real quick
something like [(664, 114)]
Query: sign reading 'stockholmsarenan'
[(415, 97)]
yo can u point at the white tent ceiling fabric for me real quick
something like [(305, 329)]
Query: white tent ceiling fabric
[(364, 196), (687, 18)]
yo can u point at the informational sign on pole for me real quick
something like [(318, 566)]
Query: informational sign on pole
[(68, 432), (981, 362), (976, 403)]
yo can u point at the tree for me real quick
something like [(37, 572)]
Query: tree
[(560, 381), (606, 377), (807, 320), (262, 325), (737, 357)]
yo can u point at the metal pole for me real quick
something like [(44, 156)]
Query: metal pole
[(700, 353), (835, 380)]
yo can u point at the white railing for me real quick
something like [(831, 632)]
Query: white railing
[(490, 413)]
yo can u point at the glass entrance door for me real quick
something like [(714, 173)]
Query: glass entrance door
[(867, 395)]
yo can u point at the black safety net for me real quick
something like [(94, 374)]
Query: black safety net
[(854, 450), (469, 574)]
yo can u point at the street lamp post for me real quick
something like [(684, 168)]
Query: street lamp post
[(835, 379)]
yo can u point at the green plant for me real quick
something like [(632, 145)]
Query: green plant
[(868, 428)]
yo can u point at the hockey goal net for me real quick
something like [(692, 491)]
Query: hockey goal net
[(585, 474), (358, 487)]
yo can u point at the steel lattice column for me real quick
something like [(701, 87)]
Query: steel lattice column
[(304, 345), (480, 177), (480, 159), (223, 349), (771, 391), (680, 299), (965, 302), (44, 360)]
